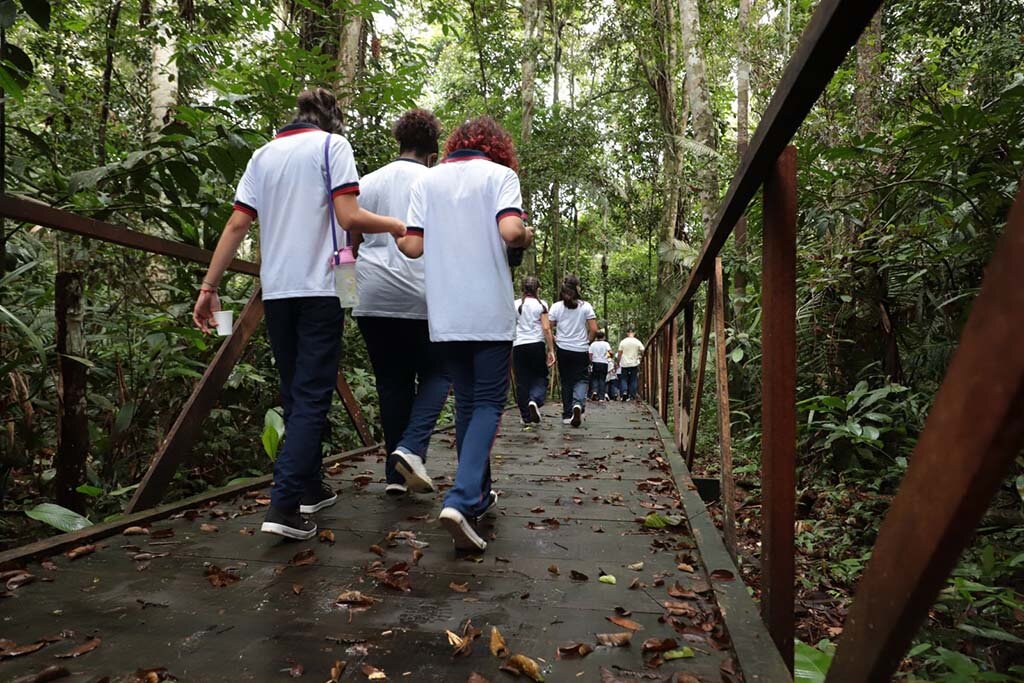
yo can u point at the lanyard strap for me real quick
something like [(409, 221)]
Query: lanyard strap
[(330, 199)]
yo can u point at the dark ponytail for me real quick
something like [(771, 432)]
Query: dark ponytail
[(531, 286), (570, 292), (320, 108)]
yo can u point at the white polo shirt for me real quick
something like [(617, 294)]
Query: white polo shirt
[(390, 284), (599, 352), (285, 187), (631, 348), (456, 207), (571, 332), (528, 327)]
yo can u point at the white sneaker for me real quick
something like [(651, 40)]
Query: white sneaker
[(567, 421), (577, 416), (410, 466), (462, 532), (534, 412), (396, 489)]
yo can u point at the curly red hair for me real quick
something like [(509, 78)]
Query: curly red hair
[(487, 135)]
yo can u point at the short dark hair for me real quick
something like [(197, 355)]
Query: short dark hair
[(319, 107), (600, 334), (630, 330), (417, 130)]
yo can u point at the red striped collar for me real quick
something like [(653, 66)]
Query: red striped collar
[(295, 129)]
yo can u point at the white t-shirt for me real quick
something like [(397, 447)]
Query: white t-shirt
[(631, 348), (571, 333), (528, 327), (599, 352), (390, 284), (613, 371), (285, 187), (456, 206)]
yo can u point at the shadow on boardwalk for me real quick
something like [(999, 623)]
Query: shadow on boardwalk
[(573, 500)]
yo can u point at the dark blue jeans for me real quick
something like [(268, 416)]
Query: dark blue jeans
[(530, 362), (630, 377), (479, 372), (573, 371), (305, 336), (412, 384), (599, 380)]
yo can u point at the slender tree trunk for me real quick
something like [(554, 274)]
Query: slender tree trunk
[(702, 119), (742, 141), (479, 52), (556, 209), (163, 70), (72, 421), (350, 32), (869, 48), (531, 25), (108, 72)]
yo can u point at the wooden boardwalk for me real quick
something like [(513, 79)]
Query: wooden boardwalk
[(572, 501)]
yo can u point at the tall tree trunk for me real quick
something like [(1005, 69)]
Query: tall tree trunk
[(108, 72), (163, 70), (869, 48), (481, 62), (72, 422), (531, 46), (698, 101), (556, 209), (742, 142), (350, 39)]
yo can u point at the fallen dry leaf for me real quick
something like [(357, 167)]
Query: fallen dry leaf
[(474, 677), (722, 575), (355, 598), (135, 531), (573, 651), (373, 673), (304, 557), (463, 644), (209, 528), (377, 550), (521, 664), (296, 670), (680, 609), (20, 579), (297, 588), (553, 569), (337, 669), (636, 567), (498, 647), (677, 591), (578, 576), (659, 645), (80, 551), (614, 639), (459, 587), (220, 578), (625, 623), (327, 536), (85, 648), (53, 672), (154, 675), (683, 567), (19, 650), (417, 555)]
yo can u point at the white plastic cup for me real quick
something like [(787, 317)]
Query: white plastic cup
[(224, 322)]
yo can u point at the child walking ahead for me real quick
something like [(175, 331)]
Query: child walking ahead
[(575, 327), (533, 351)]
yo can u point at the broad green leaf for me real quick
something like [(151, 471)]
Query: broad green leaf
[(737, 354), (810, 665), (270, 442), (681, 653), (90, 490), (124, 490), (58, 517), (124, 418), (655, 521), (29, 335), (991, 633), (18, 64)]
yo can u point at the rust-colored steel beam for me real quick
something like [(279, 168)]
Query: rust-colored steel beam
[(183, 434), (702, 361), (973, 433), (665, 368), (27, 211), (674, 370), (778, 403), (355, 413), (833, 29), (684, 427), (724, 420)]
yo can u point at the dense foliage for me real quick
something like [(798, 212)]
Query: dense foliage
[(144, 113)]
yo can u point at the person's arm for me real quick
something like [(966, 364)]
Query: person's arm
[(208, 302), (355, 240), (592, 329), (515, 233), (354, 218), (411, 244), (549, 338)]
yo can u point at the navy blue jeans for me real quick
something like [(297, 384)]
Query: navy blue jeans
[(305, 336), (412, 384), (479, 372), (599, 380), (630, 377), (573, 370), (530, 362)]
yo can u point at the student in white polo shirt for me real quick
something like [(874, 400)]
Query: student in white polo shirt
[(575, 327), (412, 381), (600, 356), (464, 215), (285, 187), (533, 351)]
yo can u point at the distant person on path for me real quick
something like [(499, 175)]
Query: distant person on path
[(600, 357), (412, 381), (575, 327), (465, 215), (631, 350), (285, 186), (533, 351), (613, 380)]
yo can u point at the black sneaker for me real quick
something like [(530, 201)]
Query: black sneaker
[(534, 412), (288, 524), (322, 498), (577, 416), (492, 500)]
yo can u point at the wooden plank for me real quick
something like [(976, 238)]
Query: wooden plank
[(831, 33), (973, 433), (755, 652), (355, 413), (684, 427), (56, 544), (778, 402), (724, 421), (183, 434), (691, 436), (28, 211)]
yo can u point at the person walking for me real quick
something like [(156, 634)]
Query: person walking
[(613, 380), (412, 382), (631, 350), (533, 351), (600, 355), (575, 327), (285, 187), (465, 215)]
